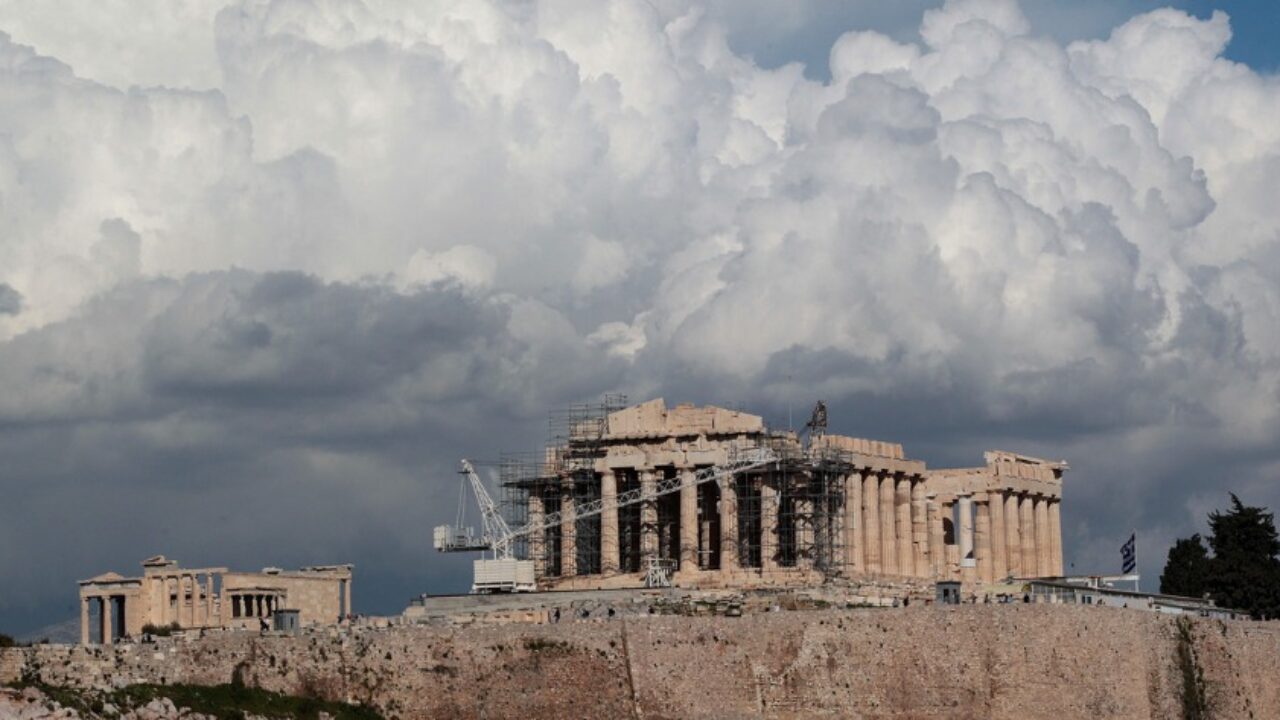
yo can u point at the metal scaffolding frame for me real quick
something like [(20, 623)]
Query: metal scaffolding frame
[(804, 481)]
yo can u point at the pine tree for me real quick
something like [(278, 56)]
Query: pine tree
[(1186, 569), (1244, 572)]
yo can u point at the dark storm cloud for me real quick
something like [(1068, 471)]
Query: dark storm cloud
[(10, 300), (245, 419)]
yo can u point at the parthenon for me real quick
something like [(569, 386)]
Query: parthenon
[(113, 606), (830, 506)]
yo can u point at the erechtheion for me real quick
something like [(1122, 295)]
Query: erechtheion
[(166, 595)]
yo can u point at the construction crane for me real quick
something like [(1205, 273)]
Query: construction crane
[(505, 573), (495, 534)]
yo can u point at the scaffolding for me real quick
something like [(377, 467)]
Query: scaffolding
[(791, 513), (555, 480)]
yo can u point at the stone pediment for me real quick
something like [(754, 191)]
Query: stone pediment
[(105, 578)]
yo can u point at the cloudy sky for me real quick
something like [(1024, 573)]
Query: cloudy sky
[(269, 268)]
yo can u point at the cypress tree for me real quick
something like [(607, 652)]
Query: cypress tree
[(1186, 569), (1244, 572)]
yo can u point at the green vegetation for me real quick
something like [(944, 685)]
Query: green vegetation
[(6, 641), (1243, 572), (1186, 569), (226, 702)]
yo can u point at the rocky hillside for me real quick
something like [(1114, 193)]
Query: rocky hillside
[(978, 661)]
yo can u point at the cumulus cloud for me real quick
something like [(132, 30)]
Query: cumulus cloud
[(378, 235)]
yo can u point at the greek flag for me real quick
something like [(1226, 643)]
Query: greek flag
[(1129, 555)]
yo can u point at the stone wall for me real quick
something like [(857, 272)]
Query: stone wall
[(978, 661)]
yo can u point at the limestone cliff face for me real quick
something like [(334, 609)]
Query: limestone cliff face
[(985, 661)]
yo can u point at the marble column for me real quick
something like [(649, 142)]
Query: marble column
[(937, 539), (648, 517), (1013, 534), (1027, 518), (729, 524), (803, 517), (1055, 535), (105, 619), (966, 538), (210, 618), (982, 539), (902, 523), (853, 523), (84, 620), (197, 609), (1044, 548), (688, 520), (871, 522), (919, 529), (999, 566), (162, 603), (538, 538), (568, 530), (609, 560), (195, 600), (888, 526), (769, 523), (346, 590)]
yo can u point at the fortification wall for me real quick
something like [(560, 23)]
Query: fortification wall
[(981, 661)]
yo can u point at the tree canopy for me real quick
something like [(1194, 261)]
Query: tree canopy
[(1187, 568), (1244, 569)]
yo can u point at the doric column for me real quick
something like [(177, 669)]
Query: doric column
[(871, 522), (1055, 535), (853, 523), (195, 600), (768, 522), (903, 526), (568, 530), (538, 538), (105, 620), (1027, 518), (346, 591), (688, 520), (84, 620), (648, 517), (937, 539), (999, 566), (728, 524), (609, 560), (888, 526), (982, 539), (966, 538), (1013, 534), (803, 517), (1044, 548), (919, 529)]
